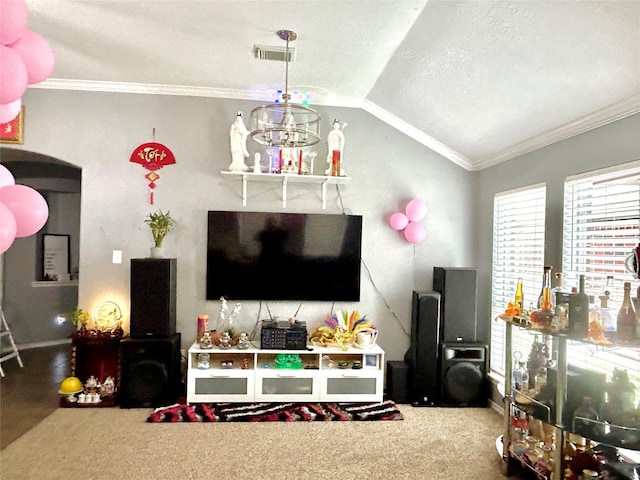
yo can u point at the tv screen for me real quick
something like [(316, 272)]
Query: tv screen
[(283, 256)]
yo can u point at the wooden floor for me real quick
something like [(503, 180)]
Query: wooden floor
[(29, 394)]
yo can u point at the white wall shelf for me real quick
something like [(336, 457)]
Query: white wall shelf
[(284, 180)]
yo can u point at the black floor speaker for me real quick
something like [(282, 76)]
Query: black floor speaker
[(397, 381), (423, 353), (153, 297), (151, 373), (464, 375), (458, 288)]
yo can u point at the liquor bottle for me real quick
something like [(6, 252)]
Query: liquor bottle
[(518, 301), (520, 377), (626, 322), (547, 270), (558, 288), (579, 312), (561, 311), (608, 322), (636, 304), (543, 315)]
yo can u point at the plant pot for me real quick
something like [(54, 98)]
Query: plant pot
[(157, 252)]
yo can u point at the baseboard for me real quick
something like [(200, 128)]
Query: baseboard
[(48, 343)]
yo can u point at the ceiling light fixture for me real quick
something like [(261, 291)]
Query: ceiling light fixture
[(285, 125)]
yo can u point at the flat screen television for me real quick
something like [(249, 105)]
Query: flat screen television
[(283, 256)]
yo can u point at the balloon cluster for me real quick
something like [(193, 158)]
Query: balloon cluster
[(25, 57), (23, 211), (409, 221)]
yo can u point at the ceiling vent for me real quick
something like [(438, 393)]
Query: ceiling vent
[(264, 52)]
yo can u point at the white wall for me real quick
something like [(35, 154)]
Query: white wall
[(98, 132)]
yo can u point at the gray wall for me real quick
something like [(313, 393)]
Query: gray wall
[(98, 132), (606, 146)]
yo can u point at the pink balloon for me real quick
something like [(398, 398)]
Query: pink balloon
[(416, 210), (415, 232), (13, 75), (7, 228), (6, 177), (9, 111), (29, 208), (36, 54), (398, 221), (13, 20)]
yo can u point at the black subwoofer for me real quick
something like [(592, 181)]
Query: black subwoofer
[(397, 381), (151, 374), (153, 297), (464, 375)]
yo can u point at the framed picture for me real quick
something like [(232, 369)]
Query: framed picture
[(12, 132), (371, 361), (55, 257)]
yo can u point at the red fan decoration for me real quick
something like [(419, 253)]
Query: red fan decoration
[(152, 156)]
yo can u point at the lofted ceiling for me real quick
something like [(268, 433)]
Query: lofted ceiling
[(479, 82)]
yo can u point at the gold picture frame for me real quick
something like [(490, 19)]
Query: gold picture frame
[(13, 131)]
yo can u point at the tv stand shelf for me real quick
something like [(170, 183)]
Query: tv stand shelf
[(250, 375), (285, 179)]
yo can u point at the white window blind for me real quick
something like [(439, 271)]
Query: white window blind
[(601, 227), (518, 252)]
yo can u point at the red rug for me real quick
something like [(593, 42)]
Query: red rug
[(276, 412)]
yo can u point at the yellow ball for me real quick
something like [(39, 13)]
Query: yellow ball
[(70, 385)]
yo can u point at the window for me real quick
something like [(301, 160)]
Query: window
[(518, 252), (601, 228)]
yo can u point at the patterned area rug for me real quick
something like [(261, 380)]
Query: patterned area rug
[(276, 412)]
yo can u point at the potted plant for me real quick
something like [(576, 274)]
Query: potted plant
[(80, 319), (161, 224)]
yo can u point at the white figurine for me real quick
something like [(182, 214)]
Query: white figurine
[(335, 141), (238, 139)]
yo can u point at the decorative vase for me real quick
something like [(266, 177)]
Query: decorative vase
[(156, 252)]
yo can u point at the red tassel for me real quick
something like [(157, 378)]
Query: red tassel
[(151, 197)]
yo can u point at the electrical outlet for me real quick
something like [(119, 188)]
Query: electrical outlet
[(117, 256)]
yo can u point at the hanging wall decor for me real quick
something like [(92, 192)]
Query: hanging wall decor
[(152, 156)]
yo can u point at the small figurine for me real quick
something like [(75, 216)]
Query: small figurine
[(243, 342), (203, 361), (238, 139), (335, 143), (108, 387), (225, 341), (205, 341)]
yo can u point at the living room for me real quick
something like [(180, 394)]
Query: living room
[(96, 130)]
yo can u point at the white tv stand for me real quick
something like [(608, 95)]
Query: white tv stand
[(259, 381)]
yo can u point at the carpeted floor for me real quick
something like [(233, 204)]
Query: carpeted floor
[(113, 443)]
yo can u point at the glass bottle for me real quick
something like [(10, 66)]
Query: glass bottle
[(536, 360), (543, 315), (561, 311), (519, 375), (608, 322), (558, 288), (518, 301), (626, 321), (546, 281), (586, 421), (579, 312)]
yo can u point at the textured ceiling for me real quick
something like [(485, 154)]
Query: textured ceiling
[(479, 82)]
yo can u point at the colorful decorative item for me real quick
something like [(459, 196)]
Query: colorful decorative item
[(152, 156), (26, 58), (409, 221), (340, 329), (12, 128)]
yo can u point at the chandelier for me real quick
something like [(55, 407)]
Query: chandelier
[(285, 125)]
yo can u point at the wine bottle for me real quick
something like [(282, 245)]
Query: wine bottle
[(626, 322), (546, 281), (543, 315), (559, 288), (608, 322), (579, 312)]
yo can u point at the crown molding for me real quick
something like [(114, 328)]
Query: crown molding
[(319, 96), (416, 134), (623, 109)]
